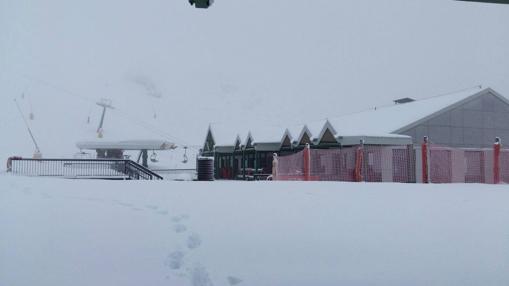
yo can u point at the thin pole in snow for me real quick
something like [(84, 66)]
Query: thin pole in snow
[(37, 150)]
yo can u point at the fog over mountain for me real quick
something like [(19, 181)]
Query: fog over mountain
[(167, 64)]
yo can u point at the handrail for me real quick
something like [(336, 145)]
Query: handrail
[(81, 168)]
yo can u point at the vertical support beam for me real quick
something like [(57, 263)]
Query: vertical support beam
[(424, 160), (359, 162), (144, 157), (496, 161), (244, 164), (255, 162), (307, 162)]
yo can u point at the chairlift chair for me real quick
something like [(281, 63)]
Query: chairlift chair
[(153, 157)]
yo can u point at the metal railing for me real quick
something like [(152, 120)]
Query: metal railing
[(82, 168)]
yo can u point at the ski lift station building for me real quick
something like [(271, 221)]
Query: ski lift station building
[(471, 118)]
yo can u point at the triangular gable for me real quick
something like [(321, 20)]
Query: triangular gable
[(286, 141), (327, 135), (238, 144), (249, 141), (305, 137), (209, 141)]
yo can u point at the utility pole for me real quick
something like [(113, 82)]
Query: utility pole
[(105, 104)]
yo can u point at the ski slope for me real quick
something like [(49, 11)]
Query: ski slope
[(72, 232)]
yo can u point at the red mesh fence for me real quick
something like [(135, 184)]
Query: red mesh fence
[(396, 164), (378, 164), (291, 167), (388, 164), (332, 164), (459, 165), (504, 166)]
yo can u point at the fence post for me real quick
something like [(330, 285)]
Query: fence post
[(359, 160), (425, 166), (307, 162), (496, 161), (274, 166)]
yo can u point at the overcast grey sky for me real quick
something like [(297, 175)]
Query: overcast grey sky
[(254, 60)]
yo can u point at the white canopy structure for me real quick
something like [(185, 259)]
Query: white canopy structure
[(127, 145)]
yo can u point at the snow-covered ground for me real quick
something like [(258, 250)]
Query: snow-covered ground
[(87, 232)]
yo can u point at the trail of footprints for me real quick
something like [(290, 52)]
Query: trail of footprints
[(175, 260)]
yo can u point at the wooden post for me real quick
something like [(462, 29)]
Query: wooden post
[(424, 154), (496, 161), (307, 163)]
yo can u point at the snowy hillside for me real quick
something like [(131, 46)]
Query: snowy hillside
[(68, 232)]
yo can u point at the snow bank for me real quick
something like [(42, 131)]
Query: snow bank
[(69, 232)]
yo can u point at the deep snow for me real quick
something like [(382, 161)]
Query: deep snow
[(79, 232)]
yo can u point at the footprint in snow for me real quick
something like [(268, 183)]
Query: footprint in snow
[(200, 277), (175, 260), (193, 241), (180, 218), (179, 228), (232, 280), (162, 212)]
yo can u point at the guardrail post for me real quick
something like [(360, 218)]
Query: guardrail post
[(424, 156), (496, 160)]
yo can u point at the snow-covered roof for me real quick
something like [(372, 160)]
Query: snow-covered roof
[(377, 125), (391, 119), (126, 145), (375, 139)]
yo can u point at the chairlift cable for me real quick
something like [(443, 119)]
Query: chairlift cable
[(133, 119)]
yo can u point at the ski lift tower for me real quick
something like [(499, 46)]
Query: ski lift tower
[(105, 104)]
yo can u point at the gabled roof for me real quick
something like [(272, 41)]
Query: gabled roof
[(285, 136), (400, 117), (326, 127), (249, 140), (305, 132)]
